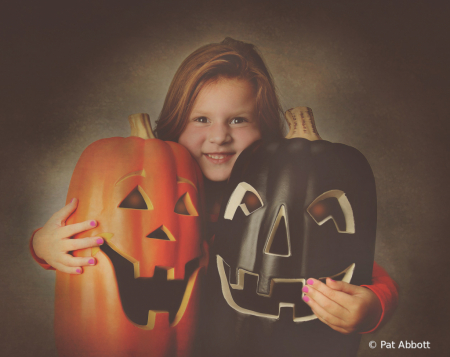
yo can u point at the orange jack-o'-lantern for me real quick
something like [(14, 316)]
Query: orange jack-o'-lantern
[(142, 296)]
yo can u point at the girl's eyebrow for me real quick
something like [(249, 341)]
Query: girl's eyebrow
[(207, 114)]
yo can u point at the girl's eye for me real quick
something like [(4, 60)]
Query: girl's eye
[(238, 120), (201, 120)]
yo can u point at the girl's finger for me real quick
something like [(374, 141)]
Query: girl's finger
[(69, 245), (330, 306), (343, 286), (66, 269), (323, 314), (61, 216), (76, 262), (334, 327), (338, 297), (72, 229)]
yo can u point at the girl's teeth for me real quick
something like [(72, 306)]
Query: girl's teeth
[(216, 157)]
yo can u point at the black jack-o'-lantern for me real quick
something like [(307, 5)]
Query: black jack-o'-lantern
[(293, 209)]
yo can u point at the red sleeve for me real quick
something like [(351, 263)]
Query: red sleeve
[(40, 261), (386, 289)]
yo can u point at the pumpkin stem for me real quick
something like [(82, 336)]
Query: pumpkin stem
[(301, 124), (141, 126)]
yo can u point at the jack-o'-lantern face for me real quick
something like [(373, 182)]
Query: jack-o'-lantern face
[(143, 293), (294, 209), (157, 251)]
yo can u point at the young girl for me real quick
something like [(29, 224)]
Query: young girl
[(221, 100)]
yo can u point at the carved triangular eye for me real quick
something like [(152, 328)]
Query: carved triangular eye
[(244, 196), (185, 206), (333, 205), (136, 199), (328, 207), (251, 201)]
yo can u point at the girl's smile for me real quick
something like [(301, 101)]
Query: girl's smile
[(221, 125), (219, 158)]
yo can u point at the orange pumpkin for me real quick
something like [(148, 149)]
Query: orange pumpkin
[(142, 296)]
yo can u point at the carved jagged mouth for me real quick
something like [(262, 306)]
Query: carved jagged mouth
[(145, 298), (284, 293)]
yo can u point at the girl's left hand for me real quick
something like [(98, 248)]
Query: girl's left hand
[(344, 307)]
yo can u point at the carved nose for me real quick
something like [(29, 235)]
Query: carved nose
[(159, 233), (278, 241)]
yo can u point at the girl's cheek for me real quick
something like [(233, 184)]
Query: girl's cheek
[(195, 146), (192, 141), (245, 138)]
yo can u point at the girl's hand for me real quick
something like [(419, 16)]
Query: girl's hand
[(344, 307), (52, 243)]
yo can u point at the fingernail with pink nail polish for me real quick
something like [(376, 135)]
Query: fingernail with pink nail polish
[(72, 200), (91, 261), (331, 279), (305, 289), (99, 241), (78, 271), (310, 282), (305, 298), (93, 223)]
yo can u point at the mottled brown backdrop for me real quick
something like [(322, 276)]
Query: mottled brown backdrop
[(374, 72)]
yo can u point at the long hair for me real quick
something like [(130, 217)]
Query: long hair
[(228, 59)]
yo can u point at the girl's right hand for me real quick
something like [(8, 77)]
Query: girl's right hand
[(53, 244)]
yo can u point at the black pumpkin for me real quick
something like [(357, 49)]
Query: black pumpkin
[(293, 209)]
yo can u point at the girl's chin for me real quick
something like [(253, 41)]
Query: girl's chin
[(216, 173), (217, 176)]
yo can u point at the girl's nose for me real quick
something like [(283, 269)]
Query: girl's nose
[(219, 134)]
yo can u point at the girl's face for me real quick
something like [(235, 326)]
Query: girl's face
[(221, 125)]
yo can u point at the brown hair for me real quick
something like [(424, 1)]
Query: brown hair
[(229, 59)]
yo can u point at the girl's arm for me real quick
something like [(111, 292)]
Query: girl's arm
[(51, 245), (349, 308)]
